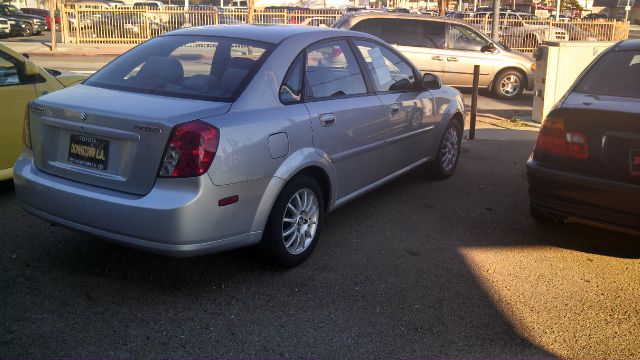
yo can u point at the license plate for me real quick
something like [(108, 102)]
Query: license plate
[(88, 151), (634, 158)]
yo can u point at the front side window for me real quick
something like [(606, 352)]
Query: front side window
[(197, 67), (9, 72), (332, 70), (463, 38), (615, 74), (389, 71)]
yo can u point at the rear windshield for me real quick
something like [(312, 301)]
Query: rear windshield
[(195, 67), (617, 73)]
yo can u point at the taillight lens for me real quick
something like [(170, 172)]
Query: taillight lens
[(554, 139), (190, 151), (26, 132)]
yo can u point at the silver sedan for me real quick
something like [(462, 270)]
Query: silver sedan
[(213, 138)]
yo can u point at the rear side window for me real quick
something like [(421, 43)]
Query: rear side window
[(291, 89), (406, 32), (332, 70), (617, 73)]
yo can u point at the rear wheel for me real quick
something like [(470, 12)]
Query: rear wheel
[(294, 225), (444, 165), (509, 84)]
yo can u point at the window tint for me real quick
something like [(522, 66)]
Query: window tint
[(615, 74), (9, 72), (198, 67), (390, 72), (332, 70), (291, 89), (463, 38), (407, 32)]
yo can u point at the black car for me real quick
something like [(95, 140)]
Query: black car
[(30, 24), (586, 163)]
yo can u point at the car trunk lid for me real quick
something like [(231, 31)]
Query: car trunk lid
[(109, 138), (612, 128)]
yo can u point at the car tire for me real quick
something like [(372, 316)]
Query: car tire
[(446, 161), (28, 30), (539, 215), (293, 228), (509, 84)]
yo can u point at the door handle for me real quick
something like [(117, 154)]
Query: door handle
[(327, 119), (452, 59), (437, 58), (394, 108)]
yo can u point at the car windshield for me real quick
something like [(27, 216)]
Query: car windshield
[(12, 10), (617, 73), (195, 67), (529, 17)]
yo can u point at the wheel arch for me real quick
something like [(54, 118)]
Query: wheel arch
[(303, 162)]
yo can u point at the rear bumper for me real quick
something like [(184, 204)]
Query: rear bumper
[(178, 217), (584, 199)]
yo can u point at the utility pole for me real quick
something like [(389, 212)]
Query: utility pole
[(52, 23), (558, 10), (626, 11), (495, 26)]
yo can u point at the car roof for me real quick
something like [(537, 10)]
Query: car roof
[(398, 15), (266, 33), (631, 44)]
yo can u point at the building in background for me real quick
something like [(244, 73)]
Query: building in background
[(615, 9)]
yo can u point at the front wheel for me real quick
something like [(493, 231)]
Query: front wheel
[(444, 165), (28, 30), (509, 84), (293, 227)]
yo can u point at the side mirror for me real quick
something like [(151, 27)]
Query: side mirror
[(30, 69), (431, 82), (25, 55), (490, 47)]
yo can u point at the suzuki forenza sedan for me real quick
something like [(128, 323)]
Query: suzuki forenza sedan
[(212, 138)]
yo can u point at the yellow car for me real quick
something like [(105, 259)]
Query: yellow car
[(20, 82)]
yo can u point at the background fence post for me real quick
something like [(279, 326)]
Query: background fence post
[(77, 15), (250, 10), (474, 102)]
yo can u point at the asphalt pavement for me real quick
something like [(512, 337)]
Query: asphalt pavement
[(415, 269)]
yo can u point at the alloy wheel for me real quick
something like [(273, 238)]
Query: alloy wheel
[(510, 85), (300, 221), (450, 149)]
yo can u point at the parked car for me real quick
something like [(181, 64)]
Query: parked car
[(156, 8), (20, 82), (519, 29), (586, 163), (450, 49), (575, 33), (43, 13), (5, 27), (398, 10), (207, 139), (126, 25), (30, 24), (596, 16)]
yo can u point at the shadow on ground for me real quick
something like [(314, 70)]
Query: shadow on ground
[(386, 281)]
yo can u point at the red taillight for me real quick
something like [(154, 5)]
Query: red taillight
[(554, 139), (190, 151)]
